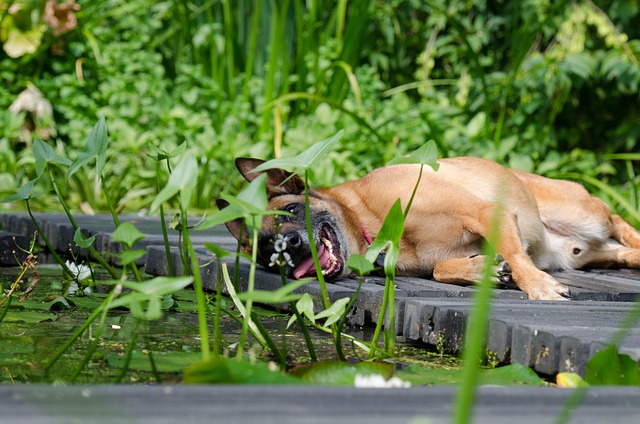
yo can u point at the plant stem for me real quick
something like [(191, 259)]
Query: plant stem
[(67, 343), (477, 327), (75, 226), (163, 222), (92, 348), (200, 297), (128, 354), (301, 322), (250, 286), (49, 247), (326, 302)]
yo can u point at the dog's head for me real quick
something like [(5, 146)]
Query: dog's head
[(283, 239)]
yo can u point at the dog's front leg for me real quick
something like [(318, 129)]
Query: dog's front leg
[(467, 271), (536, 283)]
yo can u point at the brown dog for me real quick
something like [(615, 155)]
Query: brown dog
[(545, 224)]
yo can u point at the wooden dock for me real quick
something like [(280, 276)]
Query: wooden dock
[(548, 336)]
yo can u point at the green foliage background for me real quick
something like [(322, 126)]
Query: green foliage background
[(545, 86)]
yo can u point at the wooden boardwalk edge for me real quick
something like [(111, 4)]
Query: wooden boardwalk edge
[(550, 337)]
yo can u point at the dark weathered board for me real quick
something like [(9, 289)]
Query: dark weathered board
[(46, 404), (548, 336)]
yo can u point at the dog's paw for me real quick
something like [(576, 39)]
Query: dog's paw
[(549, 289), (502, 272)]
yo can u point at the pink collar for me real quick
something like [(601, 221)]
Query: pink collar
[(366, 235)]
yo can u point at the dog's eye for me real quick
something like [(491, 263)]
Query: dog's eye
[(292, 208)]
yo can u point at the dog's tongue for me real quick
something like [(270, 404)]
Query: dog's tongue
[(306, 268)]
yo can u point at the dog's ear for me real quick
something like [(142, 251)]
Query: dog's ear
[(279, 181), (236, 227)]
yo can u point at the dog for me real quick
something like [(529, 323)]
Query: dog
[(544, 224)]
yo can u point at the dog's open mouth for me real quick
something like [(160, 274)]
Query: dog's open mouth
[(329, 257)]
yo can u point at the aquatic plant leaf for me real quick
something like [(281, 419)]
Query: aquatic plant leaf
[(334, 312), (29, 317), (127, 234), (158, 286), (610, 368), (273, 297), (514, 374), (44, 154), (570, 380), (304, 305), (250, 202), (230, 371), (304, 160), (182, 181), (427, 154), (388, 239), (82, 241), (160, 154), (338, 373), (359, 264), (218, 251), (94, 148), (163, 361), (131, 256), (23, 194)]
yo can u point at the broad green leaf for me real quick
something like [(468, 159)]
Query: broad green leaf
[(23, 194), (334, 313), (160, 154), (141, 305), (158, 286), (30, 317), (304, 160), (227, 214), (228, 371), (55, 304), (610, 368), (304, 305), (476, 124), (359, 264), (82, 241), (127, 234), (388, 239), (218, 251), (250, 202), (282, 295), (427, 154), (182, 181), (514, 374), (163, 361), (570, 380), (131, 256), (255, 193), (338, 373), (95, 148), (44, 154)]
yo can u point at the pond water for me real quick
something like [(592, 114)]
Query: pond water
[(33, 331)]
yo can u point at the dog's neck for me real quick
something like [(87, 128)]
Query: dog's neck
[(366, 235)]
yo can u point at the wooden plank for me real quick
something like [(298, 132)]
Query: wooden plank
[(250, 404)]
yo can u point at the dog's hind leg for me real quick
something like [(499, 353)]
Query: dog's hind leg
[(466, 271), (623, 232)]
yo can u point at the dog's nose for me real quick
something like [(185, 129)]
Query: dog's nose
[(293, 239)]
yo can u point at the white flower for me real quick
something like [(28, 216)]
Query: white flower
[(280, 259), (73, 289), (378, 381), (81, 272), (280, 244)]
